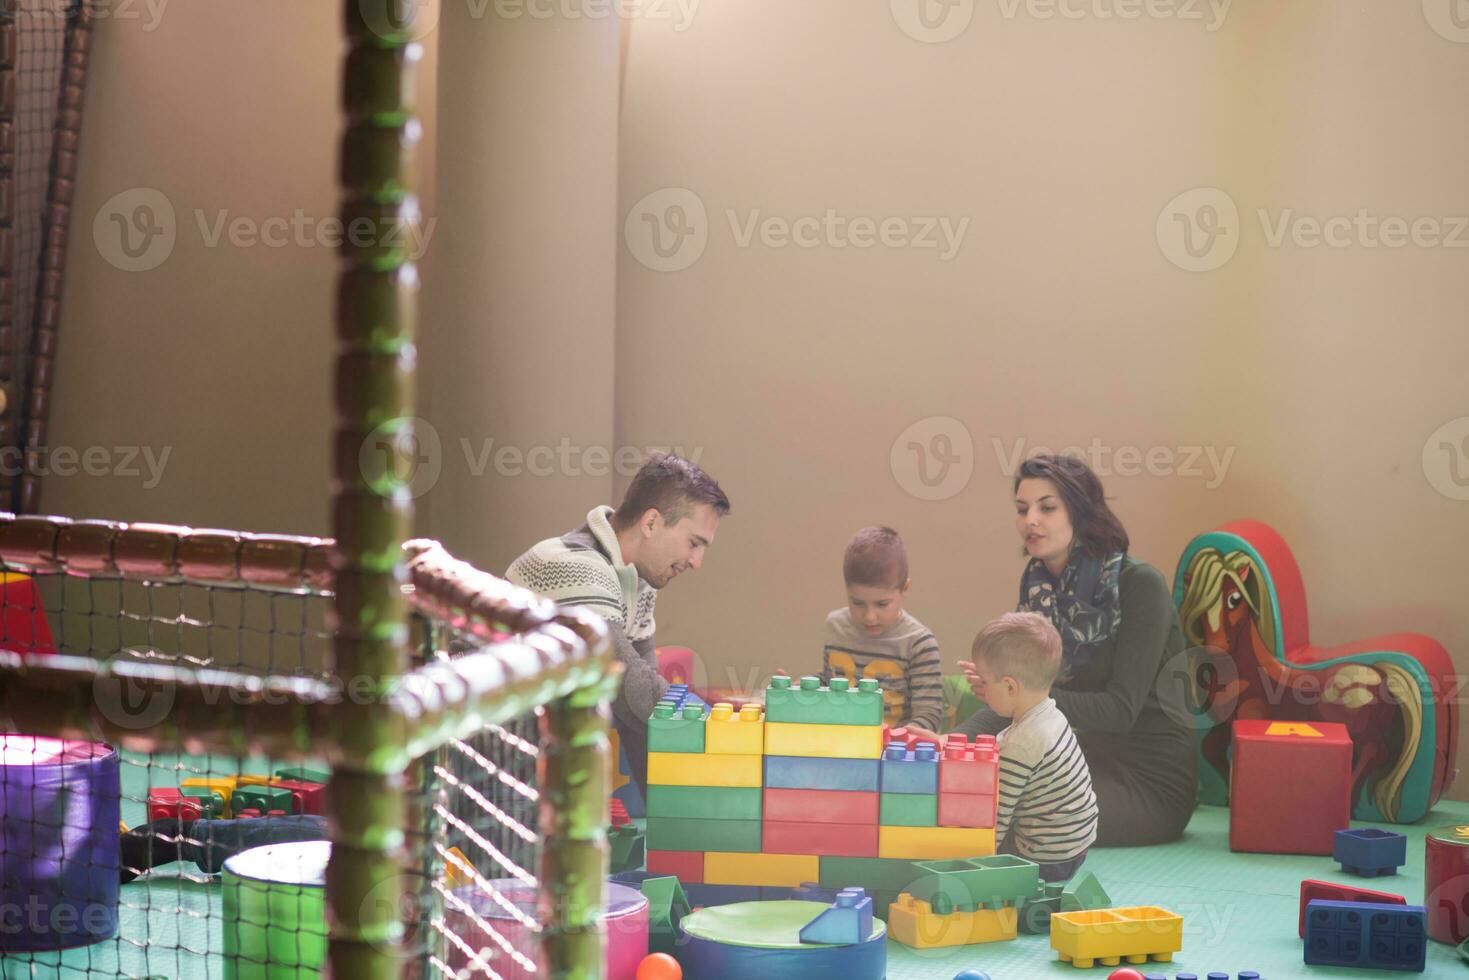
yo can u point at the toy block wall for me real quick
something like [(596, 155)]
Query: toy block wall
[(814, 788)]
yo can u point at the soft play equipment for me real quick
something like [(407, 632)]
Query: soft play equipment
[(763, 939), (1242, 605), (1446, 883), (60, 803), (274, 911), (1290, 786)]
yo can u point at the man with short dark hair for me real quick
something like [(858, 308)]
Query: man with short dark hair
[(614, 565)]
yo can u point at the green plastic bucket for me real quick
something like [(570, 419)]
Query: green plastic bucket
[(274, 911)]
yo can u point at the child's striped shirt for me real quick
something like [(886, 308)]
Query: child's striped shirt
[(1045, 788)]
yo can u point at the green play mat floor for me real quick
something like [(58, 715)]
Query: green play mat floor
[(1239, 914)]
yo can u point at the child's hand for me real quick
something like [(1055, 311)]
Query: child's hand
[(972, 677), (923, 734)]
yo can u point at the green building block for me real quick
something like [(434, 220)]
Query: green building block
[(211, 803), (877, 875), (683, 834), (667, 906), (705, 802), (968, 884), (625, 846), (1036, 911), (812, 704), (262, 798), (672, 730), (303, 774), (908, 810), (1084, 892)]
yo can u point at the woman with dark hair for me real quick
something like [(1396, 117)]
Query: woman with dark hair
[(1118, 630)]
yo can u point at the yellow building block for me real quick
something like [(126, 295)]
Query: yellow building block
[(249, 779), (913, 923), (729, 733), (223, 785), (457, 869), (933, 843), (768, 870), (1110, 936), (823, 741), (702, 769)]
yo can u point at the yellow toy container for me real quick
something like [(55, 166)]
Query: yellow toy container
[(1110, 936)]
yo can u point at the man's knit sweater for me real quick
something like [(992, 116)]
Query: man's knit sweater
[(585, 568)]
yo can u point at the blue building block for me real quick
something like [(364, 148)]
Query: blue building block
[(1369, 852), (907, 770), (847, 923), (1365, 934), (801, 772)]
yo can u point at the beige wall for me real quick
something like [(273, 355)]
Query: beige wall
[(1060, 321)]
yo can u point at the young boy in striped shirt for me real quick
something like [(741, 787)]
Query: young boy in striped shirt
[(873, 636), (1047, 812)]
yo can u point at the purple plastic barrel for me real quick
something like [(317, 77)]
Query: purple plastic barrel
[(60, 804)]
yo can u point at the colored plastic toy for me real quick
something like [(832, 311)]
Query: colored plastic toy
[(682, 834), (908, 810), (1242, 603), (760, 870), (677, 722), (305, 797), (1135, 934), (1126, 973), (698, 769), (617, 813), (876, 875), (811, 704), (185, 805), (910, 771), (1446, 883), (1361, 934), (625, 846), (728, 732), (687, 866), (659, 966), (971, 975), (264, 798), (1328, 891), (827, 741), (796, 772), (966, 810), (705, 802), (1291, 786), (969, 767), (303, 774), (1084, 892), (675, 665), (982, 882), (846, 923), (810, 891), (1036, 911), (934, 843), (914, 923), (821, 806), (1368, 852), (824, 839), (223, 785)]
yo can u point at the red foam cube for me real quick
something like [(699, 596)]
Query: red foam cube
[(968, 767), (1312, 890), (820, 806), (967, 810), (1290, 786), (824, 839), (686, 866)]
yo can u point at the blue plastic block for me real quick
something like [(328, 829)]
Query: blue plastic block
[(1215, 975), (910, 770), (1248, 975), (977, 975), (1369, 852), (720, 894), (847, 923), (801, 772), (1365, 934)]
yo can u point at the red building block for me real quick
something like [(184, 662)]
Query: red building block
[(969, 767), (165, 802), (686, 866), (820, 806), (305, 797), (966, 809), (1312, 890), (617, 813), (825, 839), (1290, 786)]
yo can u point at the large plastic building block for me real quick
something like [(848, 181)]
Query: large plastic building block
[(1135, 934), (165, 802), (914, 771), (1363, 934), (908, 810), (682, 834), (835, 839), (704, 802), (305, 797), (303, 774), (967, 810), (797, 772), (264, 799), (821, 806), (698, 769), (763, 870), (1036, 911), (730, 732), (847, 923), (253, 779), (458, 870), (983, 882), (913, 922), (807, 702), (824, 741), (933, 843), (223, 785), (676, 728), (1368, 852), (1084, 892), (625, 848), (686, 866), (969, 767), (1331, 892), (876, 875), (1291, 786), (667, 905)]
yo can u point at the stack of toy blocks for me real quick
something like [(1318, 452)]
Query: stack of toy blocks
[(243, 796), (976, 900), (938, 805)]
